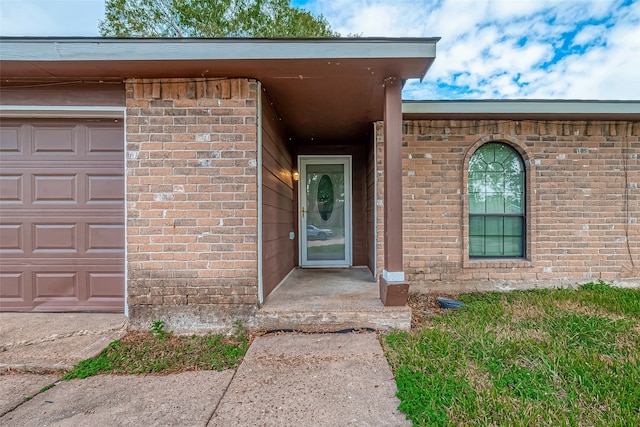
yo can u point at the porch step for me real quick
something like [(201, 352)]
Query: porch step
[(329, 300), (332, 320)]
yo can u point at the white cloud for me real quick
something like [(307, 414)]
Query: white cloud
[(585, 49)]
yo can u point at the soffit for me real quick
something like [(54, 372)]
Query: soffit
[(322, 89)]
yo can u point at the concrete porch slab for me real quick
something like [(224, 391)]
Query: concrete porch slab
[(317, 300)]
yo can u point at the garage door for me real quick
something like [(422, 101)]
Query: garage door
[(61, 215)]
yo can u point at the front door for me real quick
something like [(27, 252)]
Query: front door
[(325, 211)]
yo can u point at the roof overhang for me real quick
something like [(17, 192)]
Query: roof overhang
[(325, 89), (521, 110)]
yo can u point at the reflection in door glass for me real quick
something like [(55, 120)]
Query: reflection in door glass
[(325, 219), (325, 197)]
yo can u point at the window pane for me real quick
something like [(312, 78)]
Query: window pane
[(476, 203), (476, 226), (476, 246), (502, 152), (493, 246), (513, 203), (513, 226), (494, 182), (513, 246), (495, 203), (495, 167), (478, 162), (514, 182), (513, 163), (476, 182), (494, 226)]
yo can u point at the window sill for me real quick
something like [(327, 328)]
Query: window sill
[(498, 263)]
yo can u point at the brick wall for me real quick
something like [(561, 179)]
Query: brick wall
[(582, 203), (191, 202)]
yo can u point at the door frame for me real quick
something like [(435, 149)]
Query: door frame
[(303, 161)]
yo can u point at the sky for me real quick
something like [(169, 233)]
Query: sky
[(489, 49)]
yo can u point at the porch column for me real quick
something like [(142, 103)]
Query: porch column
[(394, 290)]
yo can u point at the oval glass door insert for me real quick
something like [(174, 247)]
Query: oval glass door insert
[(325, 197)]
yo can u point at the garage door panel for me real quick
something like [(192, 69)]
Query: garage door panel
[(48, 140), (11, 239), (104, 238), (61, 215), (11, 285), (104, 188), (53, 285), (55, 188), (92, 237), (10, 142), (55, 238), (11, 188), (104, 142), (101, 284), (47, 287)]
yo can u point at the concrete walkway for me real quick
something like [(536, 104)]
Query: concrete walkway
[(312, 380), (45, 342), (284, 380)]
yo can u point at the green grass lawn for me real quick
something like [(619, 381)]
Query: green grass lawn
[(541, 357)]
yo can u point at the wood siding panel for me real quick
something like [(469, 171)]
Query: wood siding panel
[(110, 94), (278, 202)]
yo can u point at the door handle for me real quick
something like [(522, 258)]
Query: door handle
[(302, 212)]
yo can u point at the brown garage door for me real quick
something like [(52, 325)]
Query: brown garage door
[(61, 215)]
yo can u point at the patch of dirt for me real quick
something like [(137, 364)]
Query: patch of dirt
[(523, 310), (586, 310), (425, 307), (34, 371)]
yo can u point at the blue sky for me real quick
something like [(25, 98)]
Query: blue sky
[(493, 49)]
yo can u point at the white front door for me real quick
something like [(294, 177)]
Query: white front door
[(325, 211)]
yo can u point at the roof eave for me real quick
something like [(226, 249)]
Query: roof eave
[(117, 49), (522, 109)]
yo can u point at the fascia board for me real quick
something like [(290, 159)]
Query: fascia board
[(508, 107), (36, 50)]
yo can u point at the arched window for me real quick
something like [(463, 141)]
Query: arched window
[(496, 202)]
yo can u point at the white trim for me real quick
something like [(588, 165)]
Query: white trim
[(102, 49), (62, 111), (393, 276), (259, 189), (126, 217), (521, 107), (347, 162)]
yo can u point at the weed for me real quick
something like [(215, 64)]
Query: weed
[(158, 331), (47, 387)]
